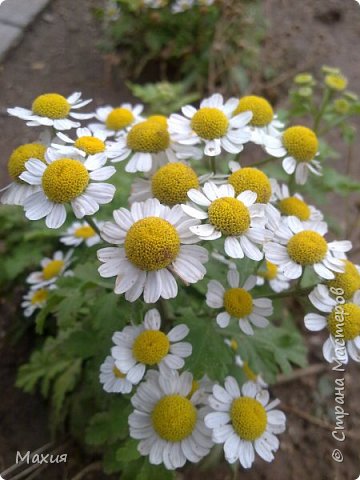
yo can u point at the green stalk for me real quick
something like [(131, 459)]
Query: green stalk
[(93, 225), (325, 100), (212, 161), (299, 292), (263, 162)]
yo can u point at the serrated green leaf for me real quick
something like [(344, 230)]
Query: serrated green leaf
[(210, 355), (106, 427), (64, 384), (129, 451), (81, 343)]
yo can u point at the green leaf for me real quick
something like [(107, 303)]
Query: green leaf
[(128, 452), (271, 350), (157, 472), (64, 384), (81, 343), (88, 273), (110, 462), (106, 427), (210, 355)]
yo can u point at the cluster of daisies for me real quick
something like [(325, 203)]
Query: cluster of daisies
[(177, 418), (159, 241), (42, 281)]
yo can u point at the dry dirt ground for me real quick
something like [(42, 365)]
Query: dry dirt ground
[(59, 54)]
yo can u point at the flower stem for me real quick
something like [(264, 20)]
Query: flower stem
[(165, 311), (212, 161), (93, 225), (323, 105), (297, 292), (263, 162)]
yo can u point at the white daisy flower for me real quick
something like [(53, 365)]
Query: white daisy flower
[(115, 121), (81, 232), (66, 181), (52, 269), (264, 125), (169, 184), (238, 218), (297, 247), (299, 145), (149, 145), (156, 245), (271, 274), (213, 124), (250, 178), (342, 321), (245, 422), (87, 145), (145, 345), (53, 110), (34, 300), (112, 379), (239, 303), (294, 205), (169, 423), (17, 191)]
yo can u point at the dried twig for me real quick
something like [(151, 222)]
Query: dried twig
[(316, 421), (18, 465), (93, 467), (35, 469), (300, 373)]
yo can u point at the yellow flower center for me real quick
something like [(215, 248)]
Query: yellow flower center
[(336, 81), (294, 206), (51, 105), (90, 145), (148, 136), (301, 143), (270, 272), (150, 347), (344, 321), (18, 158), (152, 244), (234, 344), (158, 118), (307, 248), (229, 215), (210, 123), (52, 269), (248, 418), (249, 178), (39, 296), (119, 118), (171, 183), (261, 109), (84, 232), (174, 418), (238, 302), (118, 373), (348, 281), (64, 180)]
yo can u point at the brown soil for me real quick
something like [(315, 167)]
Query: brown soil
[(59, 54)]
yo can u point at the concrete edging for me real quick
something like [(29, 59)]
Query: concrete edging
[(15, 17)]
